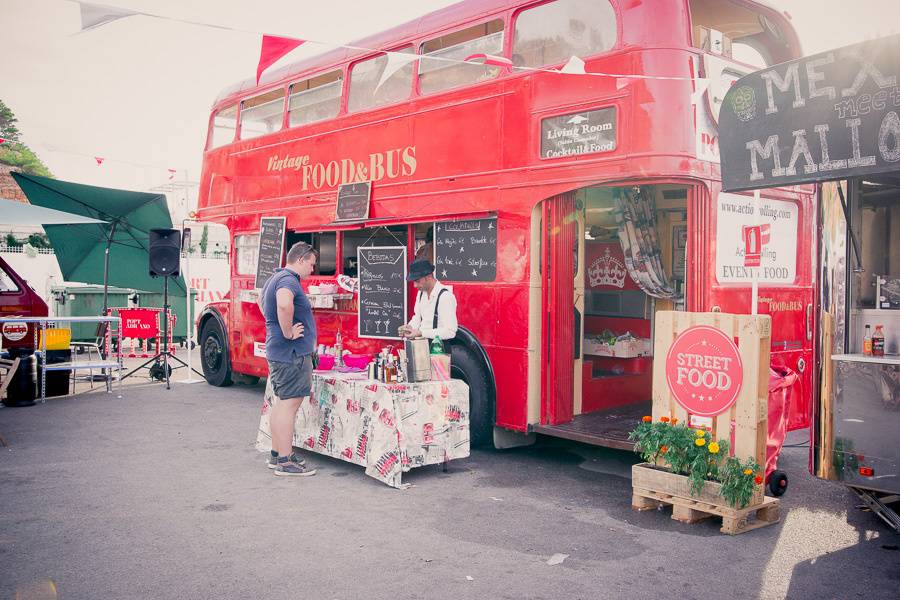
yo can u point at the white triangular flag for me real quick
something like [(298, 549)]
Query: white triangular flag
[(575, 66), (395, 62), (95, 15)]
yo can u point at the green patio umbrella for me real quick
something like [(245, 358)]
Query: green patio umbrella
[(110, 253)]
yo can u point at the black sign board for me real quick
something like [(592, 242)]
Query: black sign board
[(829, 116), (579, 133), (271, 247), (382, 291), (353, 201), (466, 250)]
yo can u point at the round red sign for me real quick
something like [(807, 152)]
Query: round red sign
[(704, 371)]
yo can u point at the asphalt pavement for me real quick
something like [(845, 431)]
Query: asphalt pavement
[(161, 494)]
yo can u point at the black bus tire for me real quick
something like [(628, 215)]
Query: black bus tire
[(466, 366), (214, 354)]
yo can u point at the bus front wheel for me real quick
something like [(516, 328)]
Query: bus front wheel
[(214, 354), (464, 365)]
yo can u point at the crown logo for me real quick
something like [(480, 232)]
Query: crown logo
[(607, 270)]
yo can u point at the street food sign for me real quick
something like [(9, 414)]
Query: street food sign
[(824, 117), (704, 371)]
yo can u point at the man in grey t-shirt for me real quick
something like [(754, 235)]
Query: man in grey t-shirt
[(290, 343)]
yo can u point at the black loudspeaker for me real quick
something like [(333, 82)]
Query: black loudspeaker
[(165, 252)]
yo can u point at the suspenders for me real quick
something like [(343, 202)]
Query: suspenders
[(437, 304)]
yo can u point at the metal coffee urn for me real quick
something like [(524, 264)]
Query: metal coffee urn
[(418, 359)]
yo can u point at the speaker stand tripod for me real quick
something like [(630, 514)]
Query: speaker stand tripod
[(161, 360)]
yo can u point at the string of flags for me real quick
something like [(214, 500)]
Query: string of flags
[(274, 47)]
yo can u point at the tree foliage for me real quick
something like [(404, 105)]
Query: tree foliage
[(12, 151)]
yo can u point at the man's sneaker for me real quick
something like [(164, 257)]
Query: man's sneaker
[(295, 458), (292, 469)]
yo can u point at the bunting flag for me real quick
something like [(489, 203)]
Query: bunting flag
[(575, 66), (95, 15), (273, 48), (2, 140), (99, 160), (171, 173), (395, 62)]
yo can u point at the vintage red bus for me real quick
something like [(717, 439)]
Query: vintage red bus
[(601, 193)]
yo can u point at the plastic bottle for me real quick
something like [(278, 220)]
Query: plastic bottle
[(437, 347), (867, 341), (878, 341)]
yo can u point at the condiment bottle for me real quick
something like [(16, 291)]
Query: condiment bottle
[(867, 341), (878, 341)]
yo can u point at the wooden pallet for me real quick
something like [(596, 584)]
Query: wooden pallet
[(734, 521), (654, 487)]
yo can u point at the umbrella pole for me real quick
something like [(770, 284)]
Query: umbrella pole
[(109, 240)]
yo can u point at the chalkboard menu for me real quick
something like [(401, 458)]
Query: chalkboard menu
[(579, 133), (353, 201), (382, 291), (466, 250), (271, 247)]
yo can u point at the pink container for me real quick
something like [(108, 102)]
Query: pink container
[(357, 361), (326, 362)]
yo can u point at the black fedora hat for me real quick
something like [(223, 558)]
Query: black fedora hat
[(419, 268)]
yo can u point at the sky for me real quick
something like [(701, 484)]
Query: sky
[(137, 91)]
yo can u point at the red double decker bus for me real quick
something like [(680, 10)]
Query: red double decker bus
[(596, 196)]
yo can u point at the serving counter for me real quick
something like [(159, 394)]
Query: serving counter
[(386, 428)]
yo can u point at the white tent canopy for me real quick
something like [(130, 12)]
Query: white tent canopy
[(21, 213)]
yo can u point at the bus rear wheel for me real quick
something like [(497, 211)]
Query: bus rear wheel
[(214, 354), (464, 365)]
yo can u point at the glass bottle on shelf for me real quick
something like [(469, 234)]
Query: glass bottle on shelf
[(878, 341), (437, 347), (338, 350), (867, 341)]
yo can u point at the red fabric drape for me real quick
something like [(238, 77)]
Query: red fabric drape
[(273, 48)]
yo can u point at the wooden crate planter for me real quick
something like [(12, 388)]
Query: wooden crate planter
[(653, 486)]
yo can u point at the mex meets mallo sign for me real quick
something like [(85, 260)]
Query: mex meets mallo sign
[(829, 116)]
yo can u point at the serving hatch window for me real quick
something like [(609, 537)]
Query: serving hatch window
[(394, 235), (246, 249), (315, 99), (262, 114), (441, 68), (223, 126), (552, 33), (325, 243)]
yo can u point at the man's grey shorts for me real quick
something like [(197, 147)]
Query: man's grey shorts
[(293, 379)]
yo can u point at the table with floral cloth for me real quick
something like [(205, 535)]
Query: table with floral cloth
[(386, 428)]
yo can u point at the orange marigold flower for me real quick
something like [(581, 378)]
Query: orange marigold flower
[(647, 419), (700, 441), (674, 421), (664, 449), (700, 433), (758, 479), (714, 447), (664, 419), (748, 471)]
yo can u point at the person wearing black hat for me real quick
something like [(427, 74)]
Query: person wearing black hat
[(434, 314)]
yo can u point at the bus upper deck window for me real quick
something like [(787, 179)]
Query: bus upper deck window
[(552, 33), (381, 80), (315, 99), (262, 114), (436, 74), (224, 126)]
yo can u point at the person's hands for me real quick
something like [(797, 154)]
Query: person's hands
[(296, 331), (412, 333)]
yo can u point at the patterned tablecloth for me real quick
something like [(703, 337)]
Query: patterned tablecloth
[(386, 428)]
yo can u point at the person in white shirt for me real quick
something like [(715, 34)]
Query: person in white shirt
[(434, 314)]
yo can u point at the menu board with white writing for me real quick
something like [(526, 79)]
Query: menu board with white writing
[(466, 250), (382, 291), (271, 247)]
